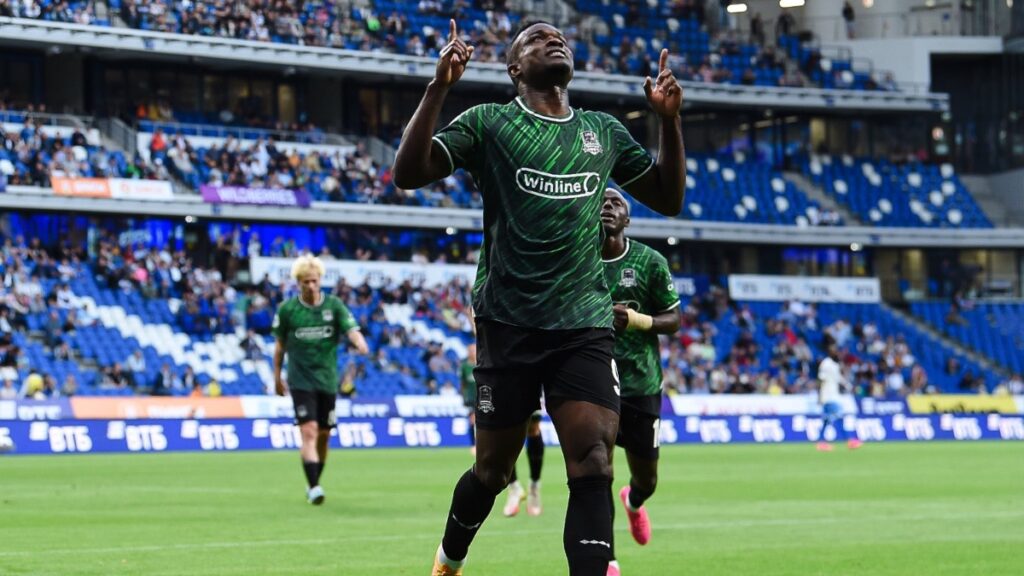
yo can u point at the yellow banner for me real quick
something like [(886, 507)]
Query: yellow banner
[(961, 403)]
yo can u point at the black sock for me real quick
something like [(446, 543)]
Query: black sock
[(514, 477), (588, 526), (535, 455), (312, 470), (320, 470), (611, 507), (637, 496), (471, 503)]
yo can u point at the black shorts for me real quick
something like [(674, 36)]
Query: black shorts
[(638, 428), (318, 406), (515, 364)]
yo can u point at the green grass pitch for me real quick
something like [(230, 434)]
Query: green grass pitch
[(888, 509)]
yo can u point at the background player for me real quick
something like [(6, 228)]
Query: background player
[(467, 385), (830, 385), (646, 305), (535, 457), (308, 329), (544, 314)]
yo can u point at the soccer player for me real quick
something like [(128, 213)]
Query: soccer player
[(308, 329), (467, 385), (544, 314), (646, 305), (535, 457), (830, 384)]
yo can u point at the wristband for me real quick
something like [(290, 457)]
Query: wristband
[(638, 321)]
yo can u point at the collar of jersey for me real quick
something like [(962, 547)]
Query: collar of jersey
[(317, 305), (572, 113), (620, 256)]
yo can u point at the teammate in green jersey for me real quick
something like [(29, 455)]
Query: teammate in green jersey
[(544, 313), (308, 329), (646, 305), (467, 384)]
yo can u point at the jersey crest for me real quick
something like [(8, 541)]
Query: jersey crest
[(628, 279), (328, 316), (590, 143)]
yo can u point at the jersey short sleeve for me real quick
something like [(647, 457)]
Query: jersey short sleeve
[(631, 159), (460, 139), (280, 326), (346, 321), (662, 292)]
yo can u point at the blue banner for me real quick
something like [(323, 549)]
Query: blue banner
[(84, 436), (59, 409)]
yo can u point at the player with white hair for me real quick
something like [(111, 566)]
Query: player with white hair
[(308, 329)]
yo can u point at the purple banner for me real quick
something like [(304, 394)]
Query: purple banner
[(255, 196)]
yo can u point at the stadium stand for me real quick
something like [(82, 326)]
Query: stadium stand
[(773, 347), (995, 329), (606, 37), (80, 324), (884, 193)]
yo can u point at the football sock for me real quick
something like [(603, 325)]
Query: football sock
[(588, 526), (471, 503), (637, 496), (535, 455), (312, 470), (611, 508), (320, 470), (514, 477)]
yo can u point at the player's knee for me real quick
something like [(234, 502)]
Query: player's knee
[(492, 475), (593, 461)]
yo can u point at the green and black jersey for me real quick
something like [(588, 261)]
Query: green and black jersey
[(640, 279), (542, 181), (310, 336), (467, 382)]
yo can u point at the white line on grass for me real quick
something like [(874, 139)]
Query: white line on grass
[(432, 536)]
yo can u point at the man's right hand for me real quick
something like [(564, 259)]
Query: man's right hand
[(280, 387), (454, 57)]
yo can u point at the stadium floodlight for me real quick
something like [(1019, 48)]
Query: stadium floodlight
[(737, 8), (791, 3)]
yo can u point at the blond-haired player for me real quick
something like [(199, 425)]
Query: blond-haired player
[(308, 329)]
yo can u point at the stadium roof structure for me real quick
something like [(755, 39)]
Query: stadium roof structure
[(122, 42), (338, 213)]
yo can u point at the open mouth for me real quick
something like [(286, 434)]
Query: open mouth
[(607, 216), (557, 52)]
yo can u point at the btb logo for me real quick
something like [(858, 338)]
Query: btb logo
[(485, 403), (590, 143)]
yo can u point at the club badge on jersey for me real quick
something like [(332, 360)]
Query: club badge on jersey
[(328, 316), (628, 279), (590, 143)]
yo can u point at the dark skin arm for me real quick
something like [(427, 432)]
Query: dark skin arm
[(666, 322), (418, 162), (662, 188)]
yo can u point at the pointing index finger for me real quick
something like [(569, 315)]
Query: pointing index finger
[(452, 32), (663, 59)]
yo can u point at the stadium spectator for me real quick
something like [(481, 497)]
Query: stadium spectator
[(70, 386), (136, 366), (116, 377), (8, 391)]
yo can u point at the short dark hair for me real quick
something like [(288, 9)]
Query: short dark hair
[(523, 25)]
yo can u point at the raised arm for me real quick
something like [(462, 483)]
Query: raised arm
[(418, 161), (662, 188)]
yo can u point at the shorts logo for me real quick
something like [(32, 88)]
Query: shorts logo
[(590, 143), (628, 279), (301, 411), (328, 316), (484, 403), (558, 186), (615, 374)]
